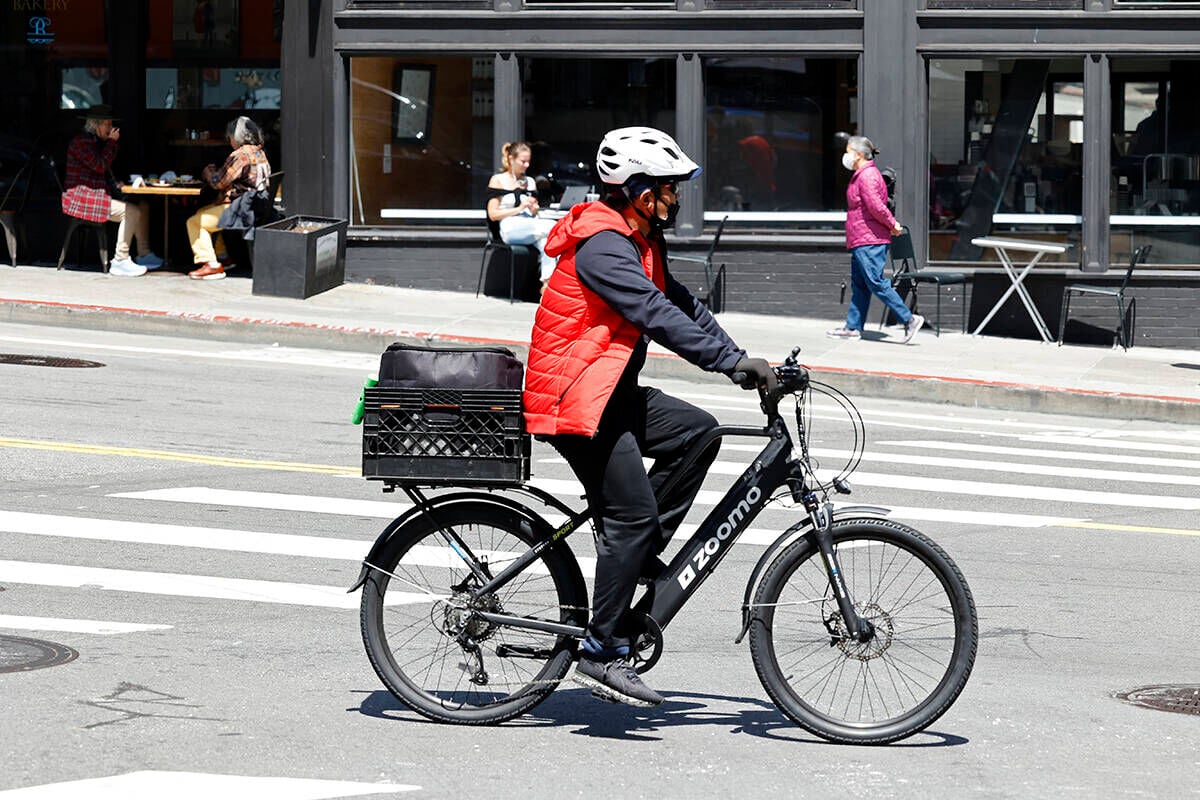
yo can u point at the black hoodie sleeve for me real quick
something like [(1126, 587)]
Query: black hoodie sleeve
[(609, 265)]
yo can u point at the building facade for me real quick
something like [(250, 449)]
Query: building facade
[(1070, 121)]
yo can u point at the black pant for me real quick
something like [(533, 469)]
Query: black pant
[(633, 524)]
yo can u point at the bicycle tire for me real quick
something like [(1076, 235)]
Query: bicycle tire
[(413, 620), (879, 691)]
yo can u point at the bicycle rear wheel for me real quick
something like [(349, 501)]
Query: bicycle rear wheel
[(428, 646), (906, 675)]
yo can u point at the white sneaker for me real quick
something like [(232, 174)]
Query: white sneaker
[(125, 268), (148, 260), (843, 333), (912, 326)]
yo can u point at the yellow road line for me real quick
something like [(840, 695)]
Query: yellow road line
[(166, 455), (1105, 526)]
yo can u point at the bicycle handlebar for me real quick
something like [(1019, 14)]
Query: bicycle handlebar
[(792, 375)]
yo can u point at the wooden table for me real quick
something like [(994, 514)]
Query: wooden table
[(166, 191), (1002, 247)]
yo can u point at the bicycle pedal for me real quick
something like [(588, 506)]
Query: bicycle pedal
[(599, 695)]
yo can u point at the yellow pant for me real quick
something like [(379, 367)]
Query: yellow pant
[(201, 226)]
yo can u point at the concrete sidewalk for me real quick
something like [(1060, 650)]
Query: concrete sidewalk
[(1143, 383)]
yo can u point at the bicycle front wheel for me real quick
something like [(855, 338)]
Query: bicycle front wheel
[(914, 665), (426, 641)]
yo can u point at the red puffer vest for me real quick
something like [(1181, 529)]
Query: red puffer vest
[(579, 346)]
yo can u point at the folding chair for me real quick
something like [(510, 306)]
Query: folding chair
[(714, 282), (1124, 335), (902, 250)]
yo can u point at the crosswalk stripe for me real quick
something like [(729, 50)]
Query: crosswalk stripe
[(180, 585), (99, 627), (569, 488), (1022, 491), (284, 544), (278, 501), (1124, 459), (1113, 444), (116, 530), (154, 784)]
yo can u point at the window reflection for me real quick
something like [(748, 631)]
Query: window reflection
[(400, 179), (769, 122), (1155, 187), (570, 104), (1005, 152)]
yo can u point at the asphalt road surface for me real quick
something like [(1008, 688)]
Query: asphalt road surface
[(179, 525)]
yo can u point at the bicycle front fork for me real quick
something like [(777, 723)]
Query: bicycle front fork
[(858, 628)]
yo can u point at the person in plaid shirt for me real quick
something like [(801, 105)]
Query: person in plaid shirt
[(245, 170), (86, 196)]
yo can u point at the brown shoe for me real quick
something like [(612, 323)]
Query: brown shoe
[(212, 271)]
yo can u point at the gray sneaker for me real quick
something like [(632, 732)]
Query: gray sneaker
[(616, 681), (912, 326)]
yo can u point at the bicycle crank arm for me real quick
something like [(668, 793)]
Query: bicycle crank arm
[(523, 651)]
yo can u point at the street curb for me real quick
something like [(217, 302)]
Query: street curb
[(863, 383)]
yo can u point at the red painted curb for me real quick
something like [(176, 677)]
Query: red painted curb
[(226, 319)]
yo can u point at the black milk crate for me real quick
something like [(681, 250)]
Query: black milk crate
[(451, 437)]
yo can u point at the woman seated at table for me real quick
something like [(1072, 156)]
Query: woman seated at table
[(88, 193), (245, 170), (513, 203)]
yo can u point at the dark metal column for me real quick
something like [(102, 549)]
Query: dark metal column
[(508, 119), (314, 101), (1097, 166), (689, 133), (891, 91)]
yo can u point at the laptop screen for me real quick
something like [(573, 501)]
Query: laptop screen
[(571, 196)]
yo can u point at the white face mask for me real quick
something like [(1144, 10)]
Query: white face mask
[(848, 161)]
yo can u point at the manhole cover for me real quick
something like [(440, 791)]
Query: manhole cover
[(25, 360), (1183, 699), (18, 654)]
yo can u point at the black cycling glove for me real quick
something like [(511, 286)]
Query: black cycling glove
[(751, 372)]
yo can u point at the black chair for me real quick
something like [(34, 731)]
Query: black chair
[(239, 248), (1124, 334), (908, 271), (75, 224), (523, 255), (274, 183), (713, 292), (8, 220)]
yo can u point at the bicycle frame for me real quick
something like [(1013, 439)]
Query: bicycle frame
[(773, 468)]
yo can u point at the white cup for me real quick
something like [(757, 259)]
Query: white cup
[(136, 181)]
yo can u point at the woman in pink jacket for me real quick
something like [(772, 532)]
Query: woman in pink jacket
[(869, 230)]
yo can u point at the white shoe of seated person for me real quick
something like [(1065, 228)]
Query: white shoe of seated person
[(125, 268)]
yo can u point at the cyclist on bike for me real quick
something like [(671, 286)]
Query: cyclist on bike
[(610, 295)]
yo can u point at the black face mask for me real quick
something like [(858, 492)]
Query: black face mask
[(660, 224)]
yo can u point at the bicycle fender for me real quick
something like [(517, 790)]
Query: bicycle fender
[(442, 501), (786, 538)]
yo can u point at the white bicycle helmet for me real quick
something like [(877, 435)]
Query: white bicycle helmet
[(626, 152)]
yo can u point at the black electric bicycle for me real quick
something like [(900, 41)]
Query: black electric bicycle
[(862, 629)]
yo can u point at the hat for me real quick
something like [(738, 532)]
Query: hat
[(101, 111)]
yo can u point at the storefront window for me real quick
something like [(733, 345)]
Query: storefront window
[(570, 104), (420, 139), (1005, 153), (770, 123), (1155, 187)]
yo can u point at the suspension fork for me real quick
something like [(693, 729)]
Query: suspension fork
[(821, 515)]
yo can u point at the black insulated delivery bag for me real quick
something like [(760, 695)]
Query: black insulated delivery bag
[(446, 417)]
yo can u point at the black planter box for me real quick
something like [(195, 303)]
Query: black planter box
[(299, 263)]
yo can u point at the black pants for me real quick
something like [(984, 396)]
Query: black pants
[(634, 524)]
